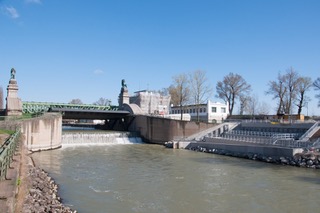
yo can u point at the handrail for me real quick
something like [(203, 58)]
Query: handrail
[(7, 151), (312, 130)]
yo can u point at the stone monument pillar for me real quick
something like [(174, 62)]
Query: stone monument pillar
[(14, 103), (124, 95)]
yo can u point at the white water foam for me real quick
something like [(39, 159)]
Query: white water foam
[(98, 191), (87, 139)]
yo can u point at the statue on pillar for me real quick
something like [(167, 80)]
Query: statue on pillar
[(123, 85), (124, 96), (14, 103), (13, 73)]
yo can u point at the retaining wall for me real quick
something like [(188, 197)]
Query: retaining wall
[(160, 130), (243, 149), (42, 133)]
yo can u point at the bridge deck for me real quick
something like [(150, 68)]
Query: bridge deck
[(90, 114)]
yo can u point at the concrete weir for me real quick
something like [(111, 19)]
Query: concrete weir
[(80, 138)]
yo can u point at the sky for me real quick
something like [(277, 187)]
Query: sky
[(81, 49)]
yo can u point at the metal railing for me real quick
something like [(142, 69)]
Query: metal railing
[(241, 140), (293, 143), (249, 139), (263, 134), (7, 151), (288, 143), (310, 131)]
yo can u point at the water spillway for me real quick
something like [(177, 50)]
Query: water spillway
[(99, 138)]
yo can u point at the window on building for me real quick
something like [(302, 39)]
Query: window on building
[(200, 110), (214, 109), (194, 110), (223, 110), (204, 109)]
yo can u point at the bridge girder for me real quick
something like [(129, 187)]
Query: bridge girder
[(78, 114), (40, 107)]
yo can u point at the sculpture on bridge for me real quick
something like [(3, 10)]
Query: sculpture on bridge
[(13, 73), (123, 84), (14, 103), (123, 96)]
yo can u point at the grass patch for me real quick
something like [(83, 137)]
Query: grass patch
[(18, 182), (5, 131)]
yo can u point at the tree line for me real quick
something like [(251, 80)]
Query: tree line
[(288, 89), (100, 102)]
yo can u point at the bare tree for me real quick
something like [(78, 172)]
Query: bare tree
[(252, 106), (200, 89), (278, 90), (173, 91), (232, 87), (264, 108), (102, 102), (179, 91), (164, 91), (303, 85), (316, 85), (291, 83), (244, 99), (75, 101)]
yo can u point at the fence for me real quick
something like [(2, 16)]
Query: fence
[(289, 143), (310, 131), (274, 135), (7, 151)]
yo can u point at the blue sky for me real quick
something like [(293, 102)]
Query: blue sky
[(66, 49)]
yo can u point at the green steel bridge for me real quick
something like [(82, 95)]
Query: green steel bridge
[(40, 107)]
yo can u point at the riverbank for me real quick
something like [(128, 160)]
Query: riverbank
[(34, 190), (305, 159), (43, 194)]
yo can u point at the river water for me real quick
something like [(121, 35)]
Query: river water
[(150, 178)]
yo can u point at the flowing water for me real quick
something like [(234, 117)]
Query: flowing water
[(150, 178)]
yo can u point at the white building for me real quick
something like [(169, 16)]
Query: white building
[(212, 112)]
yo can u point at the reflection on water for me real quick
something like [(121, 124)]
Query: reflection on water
[(150, 178)]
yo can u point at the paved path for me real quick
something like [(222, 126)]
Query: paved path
[(8, 187)]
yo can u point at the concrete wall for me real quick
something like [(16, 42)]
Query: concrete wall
[(159, 130), (42, 133), (244, 149)]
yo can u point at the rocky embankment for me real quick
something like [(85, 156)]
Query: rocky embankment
[(307, 159), (42, 195)]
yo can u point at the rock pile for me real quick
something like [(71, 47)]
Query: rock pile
[(307, 159), (43, 194)]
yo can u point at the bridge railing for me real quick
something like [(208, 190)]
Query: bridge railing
[(7, 151), (38, 107)]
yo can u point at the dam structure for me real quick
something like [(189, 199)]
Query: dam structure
[(257, 137)]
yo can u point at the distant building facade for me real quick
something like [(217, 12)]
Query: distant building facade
[(151, 103), (212, 112)]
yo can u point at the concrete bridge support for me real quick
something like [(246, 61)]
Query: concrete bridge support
[(42, 133)]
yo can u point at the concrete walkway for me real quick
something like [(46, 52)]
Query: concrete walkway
[(9, 187)]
